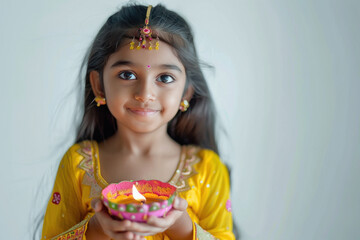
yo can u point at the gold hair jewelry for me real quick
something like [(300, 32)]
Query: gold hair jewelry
[(132, 44), (145, 32), (157, 43), (184, 105), (100, 101)]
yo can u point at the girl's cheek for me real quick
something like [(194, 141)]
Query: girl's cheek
[(170, 99)]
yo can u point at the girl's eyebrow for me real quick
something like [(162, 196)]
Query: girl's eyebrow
[(121, 62), (162, 66)]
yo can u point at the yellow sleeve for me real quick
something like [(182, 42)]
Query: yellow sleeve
[(214, 212), (66, 217)]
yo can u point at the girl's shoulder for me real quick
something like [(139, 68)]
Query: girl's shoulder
[(200, 168), (209, 158), (210, 164), (203, 160), (203, 153), (77, 149), (79, 153)]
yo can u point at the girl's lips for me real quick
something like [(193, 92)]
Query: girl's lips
[(143, 111)]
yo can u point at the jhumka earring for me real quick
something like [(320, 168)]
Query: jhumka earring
[(145, 33), (100, 101), (184, 105)]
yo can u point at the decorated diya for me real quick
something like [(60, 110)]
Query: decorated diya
[(138, 200)]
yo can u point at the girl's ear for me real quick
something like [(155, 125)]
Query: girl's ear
[(96, 84), (189, 93)]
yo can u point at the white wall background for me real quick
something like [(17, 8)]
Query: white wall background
[(286, 84)]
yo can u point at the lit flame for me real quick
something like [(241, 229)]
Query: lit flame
[(137, 196)]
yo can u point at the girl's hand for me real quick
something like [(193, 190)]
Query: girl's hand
[(103, 226), (177, 223)]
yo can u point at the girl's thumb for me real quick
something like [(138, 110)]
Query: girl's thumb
[(96, 204), (180, 204)]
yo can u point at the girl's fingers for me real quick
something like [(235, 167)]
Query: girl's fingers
[(180, 204), (127, 229), (121, 236), (96, 204), (138, 237), (126, 235), (167, 221), (110, 224), (106, 221), (116, 225), (144, 229)]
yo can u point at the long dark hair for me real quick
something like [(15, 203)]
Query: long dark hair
[(196, 125)]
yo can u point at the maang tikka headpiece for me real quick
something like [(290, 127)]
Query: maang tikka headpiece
[(145, 32)]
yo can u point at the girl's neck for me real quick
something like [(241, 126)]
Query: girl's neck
[(140, 144)]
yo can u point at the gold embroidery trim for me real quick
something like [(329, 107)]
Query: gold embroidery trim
[(77, 231), (100, 180), (201, 234), (185, 168), (87, 164), (86, 152)]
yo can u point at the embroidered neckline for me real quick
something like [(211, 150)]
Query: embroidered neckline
[(188, 157), (185, 168), (87, 164)]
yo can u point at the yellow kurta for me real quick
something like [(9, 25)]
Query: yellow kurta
[(201, 178)]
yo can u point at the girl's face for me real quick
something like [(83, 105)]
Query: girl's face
[(143, 88)]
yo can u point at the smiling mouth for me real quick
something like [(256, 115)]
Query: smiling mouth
[(143, 111)]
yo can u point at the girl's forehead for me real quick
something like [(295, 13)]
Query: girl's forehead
[(164, 55)]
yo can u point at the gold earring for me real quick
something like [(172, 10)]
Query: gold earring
[(100, 101), (184, 105)]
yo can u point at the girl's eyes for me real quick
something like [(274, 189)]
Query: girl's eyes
[(165, 79), (126, 75)]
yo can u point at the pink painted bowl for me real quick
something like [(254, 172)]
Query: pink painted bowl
[(118, 198)]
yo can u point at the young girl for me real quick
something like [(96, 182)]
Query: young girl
[(148, 114)]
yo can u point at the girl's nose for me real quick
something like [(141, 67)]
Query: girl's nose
[(144, 99), (144, 93)]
